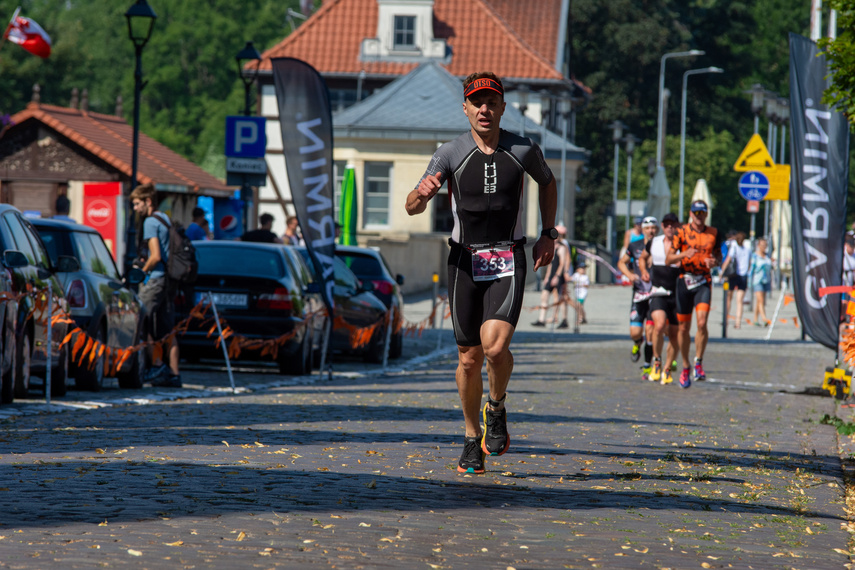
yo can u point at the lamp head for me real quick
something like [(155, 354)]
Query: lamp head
[(617, 128), (244, 56), (141, 19)]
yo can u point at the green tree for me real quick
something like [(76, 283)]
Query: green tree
[(840, 54)]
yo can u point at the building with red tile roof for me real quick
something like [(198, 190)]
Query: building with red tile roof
[(47, 151)]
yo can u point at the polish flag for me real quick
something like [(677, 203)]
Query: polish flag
[(28, 34)]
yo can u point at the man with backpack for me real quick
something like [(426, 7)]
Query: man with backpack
[(158, 290)]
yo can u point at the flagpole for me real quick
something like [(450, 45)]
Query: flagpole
[(9, 26)]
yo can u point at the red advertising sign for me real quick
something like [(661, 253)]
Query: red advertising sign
[(100, 202)]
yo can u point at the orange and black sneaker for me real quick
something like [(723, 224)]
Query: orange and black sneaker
[(472, 458), (496, 439)]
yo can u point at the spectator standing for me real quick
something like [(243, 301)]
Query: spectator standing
[(198, 228), (292, 234), (63, 207), (760, 277), (738, 255), (158, 290), (581, 282), (263, 234)]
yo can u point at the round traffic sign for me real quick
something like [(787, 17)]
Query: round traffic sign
[(753, 185)]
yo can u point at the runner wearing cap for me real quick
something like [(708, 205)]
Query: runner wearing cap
[(630, 265), (697, 247), (486, 170), (663, 303)]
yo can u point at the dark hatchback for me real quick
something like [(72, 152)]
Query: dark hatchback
[(256, 291), (28, 273), (100, 301), (356, 303), (368, 264)]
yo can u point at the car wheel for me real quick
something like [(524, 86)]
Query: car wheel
[(7, 381), (23, 366), (376, 347), (298, 364), (91, 377), (59, 375), (132, 377), (397, 346)]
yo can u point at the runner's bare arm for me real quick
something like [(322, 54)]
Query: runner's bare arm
[(544, 247), (418, 198), (624, 268), (154, 256), (674, 256), (644, 263)]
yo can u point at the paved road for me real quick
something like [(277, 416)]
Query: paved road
[(604, 470)]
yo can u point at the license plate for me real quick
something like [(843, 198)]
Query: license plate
[(224, 299)]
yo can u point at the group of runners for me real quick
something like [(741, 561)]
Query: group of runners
[(485, 169), (671, 279)]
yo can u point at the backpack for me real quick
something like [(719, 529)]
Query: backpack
[(181, 264)]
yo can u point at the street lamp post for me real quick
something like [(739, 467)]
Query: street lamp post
[(772, 136), (659, 134), (522, 95), (141, 19), (244, 56), (617, 128), (630, 149), (683, 130), (758, 93), (565, 106), (784, 117)]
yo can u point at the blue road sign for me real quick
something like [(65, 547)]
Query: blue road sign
[(245, 137), (753, 185)]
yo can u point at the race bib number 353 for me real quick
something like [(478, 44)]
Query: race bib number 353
[(488, 264)]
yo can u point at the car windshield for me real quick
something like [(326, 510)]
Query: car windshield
[(240, 261), (362, 265), (57, 242)]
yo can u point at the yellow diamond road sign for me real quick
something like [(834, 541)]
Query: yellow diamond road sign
[(755, 156)]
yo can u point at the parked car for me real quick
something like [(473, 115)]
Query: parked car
[(257, 292), (368, 264), (357, 304), (29, 272), (100, 300)]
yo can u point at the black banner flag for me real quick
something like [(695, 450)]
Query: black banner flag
[(306, 122), (820, 170)]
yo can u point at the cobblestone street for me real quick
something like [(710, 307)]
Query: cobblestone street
[(604, 470)]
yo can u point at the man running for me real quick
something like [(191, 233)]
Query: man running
[(697, 247), (485, 169), (630, 265), (663, 303)]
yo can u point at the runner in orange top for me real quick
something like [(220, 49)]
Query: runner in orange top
[(697, 247)]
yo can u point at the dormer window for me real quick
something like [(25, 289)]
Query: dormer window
[(404, 33)]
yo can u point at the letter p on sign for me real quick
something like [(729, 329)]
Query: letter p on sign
[(245, 137)]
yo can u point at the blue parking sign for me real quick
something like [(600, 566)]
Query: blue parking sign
[(245, 137), (753, 185)]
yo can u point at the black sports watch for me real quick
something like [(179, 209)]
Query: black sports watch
[(551, 233)]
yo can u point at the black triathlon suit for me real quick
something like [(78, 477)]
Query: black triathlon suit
[(664, 276), (640, 289), (486, 194)]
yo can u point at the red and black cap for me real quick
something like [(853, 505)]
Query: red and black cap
[(484, 83)]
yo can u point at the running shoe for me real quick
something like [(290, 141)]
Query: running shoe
[(563, 325), (667, 378), (699, 371), (155, 373), (656, 373), (645, 372), (538, 324), (168, 381), (685, 378), (472, 458), (495, 440), (636, 352)]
